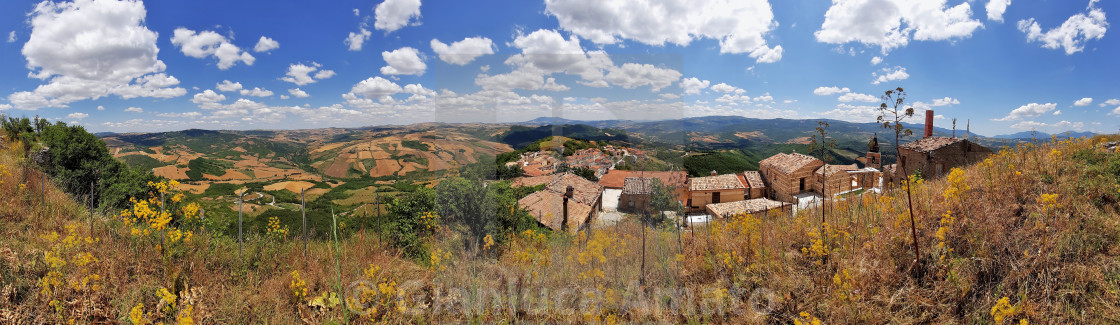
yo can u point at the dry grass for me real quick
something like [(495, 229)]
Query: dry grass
[(1054, 257)]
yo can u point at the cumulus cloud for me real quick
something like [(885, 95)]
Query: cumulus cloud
[(826, 91), (693, 86), (891, 24), (551, 85), (889, 74), (227, 85), (374, 88), (91, 49), (256, 92), (1072, 34), (266, 44), (633, 75), (355, 40), (946, 101), (463, 52), (403, 61), (1111, 102), (12, 37), (100, 108), (1083, 102), (77, 116), (134, 110), (208, 99), (725, 88), (857, 97), (996, 8), (392, 15), (739, 26), (876, 60), (209, 43), (300, 74), (1028, 110), (1060, 126), (298, 93), (181, 115)]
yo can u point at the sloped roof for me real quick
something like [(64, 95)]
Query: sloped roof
[(833, 169), (729, 209), (638, 185), (584, 191), (548, 208), (617, 178), (716, 183), (787, 163), (531, 181), (614, 178), (929, 144), (753, 179)]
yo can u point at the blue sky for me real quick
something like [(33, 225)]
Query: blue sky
[(1004, 66)]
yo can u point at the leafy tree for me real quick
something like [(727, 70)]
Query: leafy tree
[(407, 226), (662, 198)]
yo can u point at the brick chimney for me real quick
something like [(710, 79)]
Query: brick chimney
[(713, 173), (929, 124), (567, 195)]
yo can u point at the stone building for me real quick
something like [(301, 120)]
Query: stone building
[(714, 189), (935, 156), (568, 202), (635, 194), (756, 188), (789, 174)]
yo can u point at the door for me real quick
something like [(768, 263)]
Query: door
[(715, 197), (802, 187)]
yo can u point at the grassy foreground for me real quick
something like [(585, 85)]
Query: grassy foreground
[(1031, 235)]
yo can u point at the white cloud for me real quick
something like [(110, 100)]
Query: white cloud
[(256, 92), (1072, 34), (266, 44), (227, 85), (740, 26), (1083, 102), (551, 85), (208, 43), (300, 74), (298, 93), (355, 40), (826, 91), (693, 86), (1057, 112), (546, 52), (208, 99), (405, 60), (1111, 102), (92, 49), (890, 24), (392, 15), (134, 109), (853, 113), (463, 52), (850, 97), (725, 88), (180, 115), (996, 8), (876, 60), (374, 88), (889, 74), (946, 101), (100, 108), (1060, 126), (516, 79), (633, 75), (77, 116), (12, 37), (1028, 110), (764, 98)]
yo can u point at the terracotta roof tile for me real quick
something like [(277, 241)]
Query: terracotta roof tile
[(585, 191), (929, 144), (716, 183), (548, 208), (614, 178), (787, 163), (833, 169), (638, 185), (753, 179), (728, 209)]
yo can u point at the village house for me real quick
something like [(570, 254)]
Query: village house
[(635, 194), (568, 202), (789, 174), (752, 207), (677, 180), (756, 187), (703, 191), (832, 180), (935, 156)]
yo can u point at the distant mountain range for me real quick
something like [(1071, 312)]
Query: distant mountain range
[(1027, 135)]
